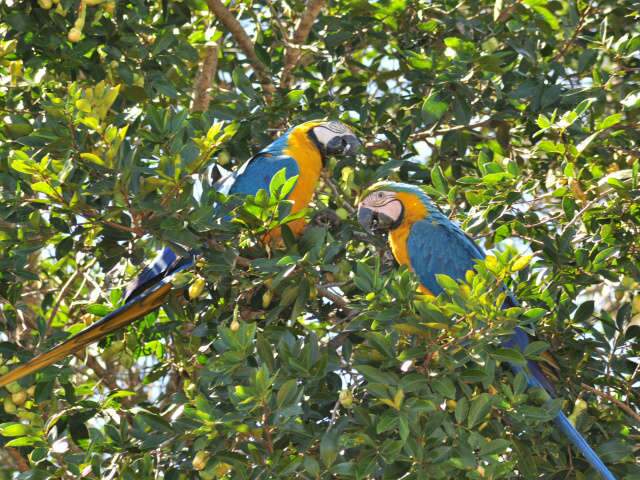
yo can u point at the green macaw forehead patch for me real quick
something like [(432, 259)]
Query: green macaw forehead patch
[(394, 187)]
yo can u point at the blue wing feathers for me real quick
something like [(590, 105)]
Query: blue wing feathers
[(254, 175), (257, 173), (165, 263), (438, 246)]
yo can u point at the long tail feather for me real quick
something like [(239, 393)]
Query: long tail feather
[(581, 444), (135, 308), (567, 428)]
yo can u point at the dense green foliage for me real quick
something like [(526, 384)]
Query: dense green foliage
[(520, 118)]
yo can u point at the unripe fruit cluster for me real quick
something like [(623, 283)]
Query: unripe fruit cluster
[(18, 395), (75, 33)]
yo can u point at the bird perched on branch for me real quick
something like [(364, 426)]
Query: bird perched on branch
[(301, 151), (422, 238)]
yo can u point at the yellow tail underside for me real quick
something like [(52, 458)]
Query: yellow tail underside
[(89, 335)]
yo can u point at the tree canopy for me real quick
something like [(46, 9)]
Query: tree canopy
[(318, 358)]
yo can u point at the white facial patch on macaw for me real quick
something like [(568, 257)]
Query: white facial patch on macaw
[(327, 131), (384, 202)]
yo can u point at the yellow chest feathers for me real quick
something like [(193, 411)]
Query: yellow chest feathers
[(414, 211), (302, 149)]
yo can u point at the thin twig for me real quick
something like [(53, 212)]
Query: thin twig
[(204, 80), (292, 55), (506, 13), (579, 215), (106, 375), (431, 132), (58, 301), (334, 189), (334, 297), (334, 414), (245, 44), (325, 292), (63, 292), (623, 406), (579, 27)]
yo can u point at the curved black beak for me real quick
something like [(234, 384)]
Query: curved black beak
[(374, 222), (347, 145)]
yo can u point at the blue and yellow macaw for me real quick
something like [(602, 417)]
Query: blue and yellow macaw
[(428, 243), (302, 151)]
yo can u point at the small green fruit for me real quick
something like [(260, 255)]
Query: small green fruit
[(74, 35), (200, 460), (267, 296), (196, 288), (346, 398), (13, 387), (19, 398), (9, 406), (342, 213)]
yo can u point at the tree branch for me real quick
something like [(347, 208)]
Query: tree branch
[(431, 133), (627, 409), (204, 80), (581, 24), (245, 44), (325, 292), (292, 55), (334, 297)]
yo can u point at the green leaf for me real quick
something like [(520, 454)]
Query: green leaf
[(92, 158), (27, 166), (387, 421), (295, 96), (445, 387), (495, 446), (609, 121), (438, 180), (243, 83), (375, 375), (287, 393), (582, 146), (446, 282), (519, 383), (535, 313), (615, 451), (13, 429), (98, 309), (311, 466), (480, 406), (510, 355), (24, 442), (462, 408), (433, 108), (535, 348), (329, 447), (584, 311), (47, 189)]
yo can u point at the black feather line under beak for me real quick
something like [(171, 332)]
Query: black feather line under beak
[(374, 222)]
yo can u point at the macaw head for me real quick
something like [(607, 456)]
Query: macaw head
[(330, 137), (386, 206)]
